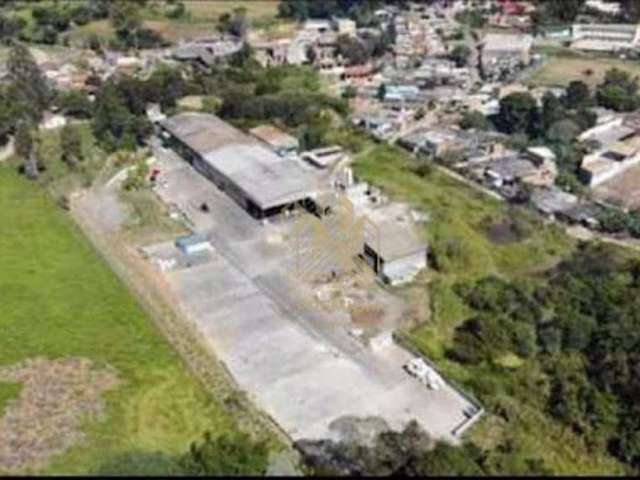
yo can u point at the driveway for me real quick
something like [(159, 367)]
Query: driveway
[(295, 360)]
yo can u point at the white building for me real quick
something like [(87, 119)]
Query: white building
[(611, 8), (619, 149), (393, 248), (605, 37)]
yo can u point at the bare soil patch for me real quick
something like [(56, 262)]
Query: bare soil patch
[(57, 397)]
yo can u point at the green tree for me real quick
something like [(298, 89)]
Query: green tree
[(234, 23), (75, 103), (10, 27), (6, 115), (30, 91), (137, 176), (24, 139), (211, 104), (618, 91), (577, 95), (474, 120), (518, 114), (165, 86), (613, 221), (125, 16), (227, 455), (460, 55), (24, 145), (71, 145), (565, 11), (563, 131), (552, 110), (114, 125)]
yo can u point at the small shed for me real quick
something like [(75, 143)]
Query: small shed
[(193, 244)]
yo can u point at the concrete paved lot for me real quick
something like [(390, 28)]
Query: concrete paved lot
[(295, 361)]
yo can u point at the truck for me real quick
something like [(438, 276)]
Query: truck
[(418, 368)]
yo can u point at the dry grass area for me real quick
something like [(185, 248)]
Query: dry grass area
[(56, 398), (175, 31), (210, 10), (200, 21), (562, 70), (623, 189)]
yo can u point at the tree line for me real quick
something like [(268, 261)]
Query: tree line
[(579, 324)]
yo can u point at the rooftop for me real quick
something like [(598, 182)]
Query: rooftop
[(608, 133), (274, 136), (266, 178), (507, 42), (394, 236), (552, 200), (512, 167), (542, 152)]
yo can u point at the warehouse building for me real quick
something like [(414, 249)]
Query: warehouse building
[(249, 172), (392, 246)]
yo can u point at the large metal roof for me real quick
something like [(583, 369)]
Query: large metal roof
[(266, 178)]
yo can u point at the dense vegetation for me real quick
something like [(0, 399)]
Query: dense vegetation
[(472, 237), (361, 12), (50, 22), (580, 324), (410, 452), (241, 92)]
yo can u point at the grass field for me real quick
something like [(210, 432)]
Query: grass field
[(60, 300), (563, 67), (458, 235), (210, 10), (200, 20)]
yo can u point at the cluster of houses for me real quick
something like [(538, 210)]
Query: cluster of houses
[(516, 176)]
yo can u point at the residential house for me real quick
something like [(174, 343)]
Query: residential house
[(617, 149), (207, 51), (324, 157), (551, 201), (503, 53)]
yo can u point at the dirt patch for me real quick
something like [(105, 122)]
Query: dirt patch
[(57, 396), (367, 315)]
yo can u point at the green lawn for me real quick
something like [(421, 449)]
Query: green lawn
[(8, 392), (59, 299), (566, 65), (457, 235)]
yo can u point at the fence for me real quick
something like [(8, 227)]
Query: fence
[(401, 339)]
